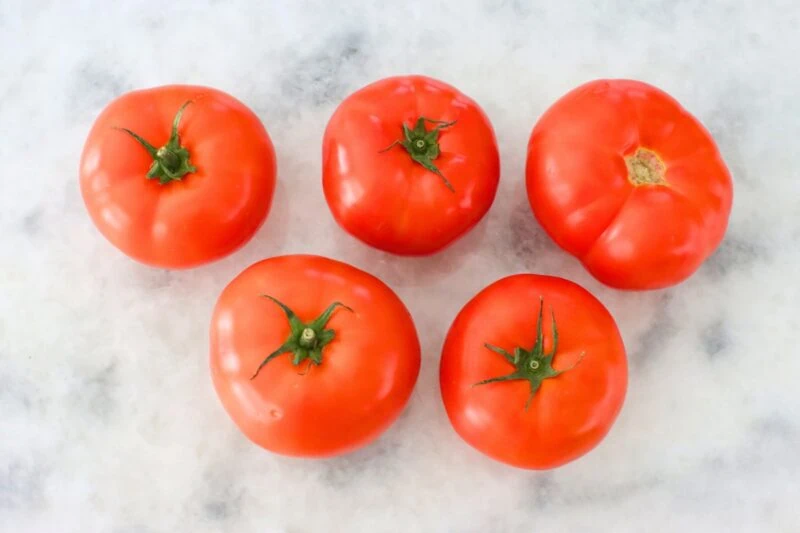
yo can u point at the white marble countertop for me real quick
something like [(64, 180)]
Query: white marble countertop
[(108, 421)]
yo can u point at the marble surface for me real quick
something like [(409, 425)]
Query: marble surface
[(108, 421)]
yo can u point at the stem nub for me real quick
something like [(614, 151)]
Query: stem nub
[(168, 159), (308, 338)]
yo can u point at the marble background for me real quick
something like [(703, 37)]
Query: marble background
[(108, 421)]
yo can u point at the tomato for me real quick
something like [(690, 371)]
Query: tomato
[(177, 176), (409, 165), (312, 357), (533, 371), (626, 180)]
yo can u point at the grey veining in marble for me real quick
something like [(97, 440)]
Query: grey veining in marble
[(108, 421)]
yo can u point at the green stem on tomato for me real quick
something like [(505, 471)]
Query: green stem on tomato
[(423, 145), (305, 341), (534, 365), (171, 161)]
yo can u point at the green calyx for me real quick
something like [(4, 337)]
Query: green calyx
[(305, 341), (171, 161), (534, 365), (423, 145)]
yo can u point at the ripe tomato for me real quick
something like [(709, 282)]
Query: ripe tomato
[(626, 180), (312, 357), (409, 164), (525, 390), (177, 176)]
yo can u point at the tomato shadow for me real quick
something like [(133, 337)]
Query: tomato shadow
[(346, 471), (353, 470), (527, 239), (412, 271), (272, 236), (533, 251), (268, 239)]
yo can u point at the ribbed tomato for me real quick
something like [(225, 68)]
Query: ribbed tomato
[(626, 180)]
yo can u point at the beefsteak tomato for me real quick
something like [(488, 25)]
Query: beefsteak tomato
[(312, 357), (409, 164), (626, 180), (177, 176), (530, 388)]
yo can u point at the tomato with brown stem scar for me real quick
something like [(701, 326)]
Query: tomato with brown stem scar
[(626, 180)]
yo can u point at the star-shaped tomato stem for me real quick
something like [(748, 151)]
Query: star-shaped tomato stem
[(534, 365), (171, 161), (306, 340), (423, 145)]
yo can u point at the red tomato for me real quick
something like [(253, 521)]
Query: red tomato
[(409, 164), (177, 176), (533, 371), (312, 357), (626, 180)]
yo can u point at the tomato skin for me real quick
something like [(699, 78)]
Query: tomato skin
[(629, 237), (387, 200), (570, 413), (206, 215), (367, 372)]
